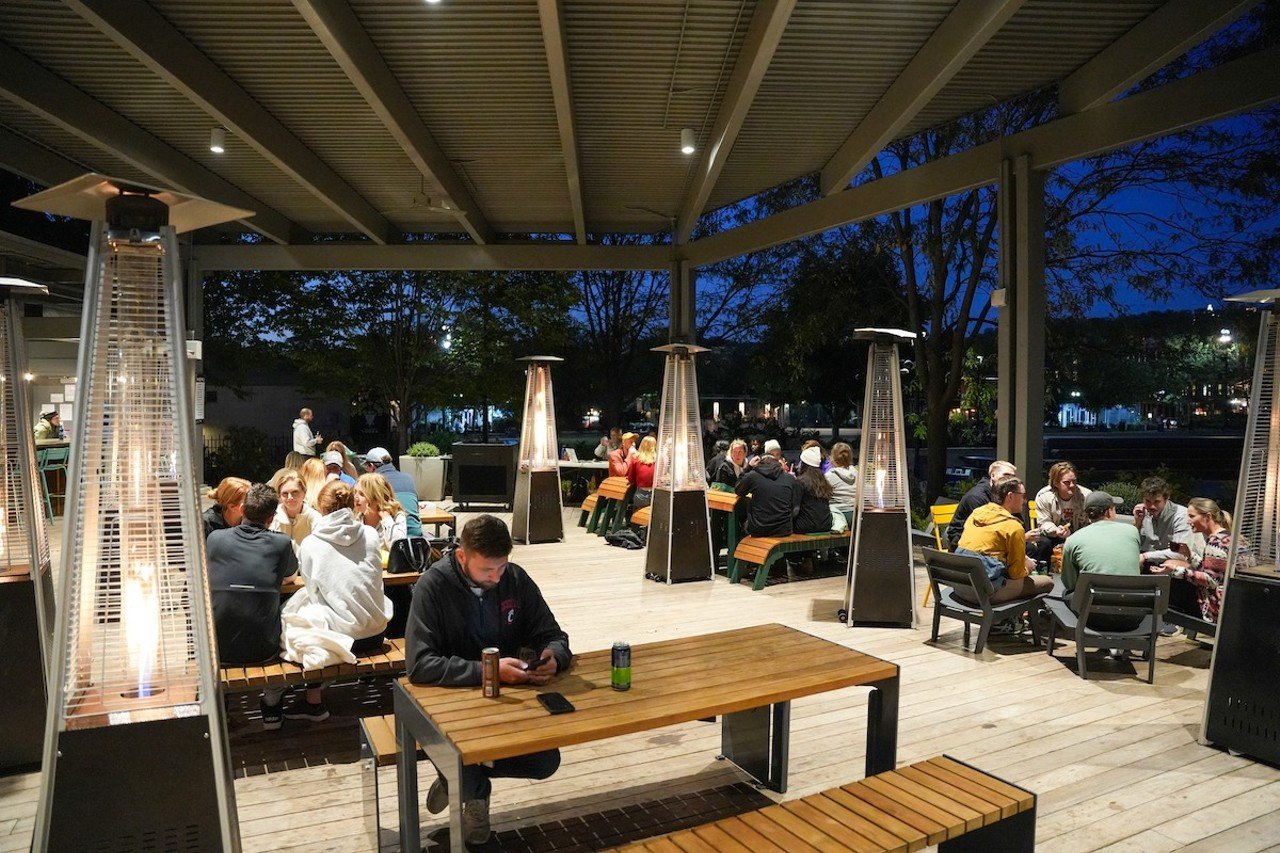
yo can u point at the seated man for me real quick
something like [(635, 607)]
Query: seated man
[(1104, 546), (620, 457), (49, 427), (246, 565), (1163, 528), (472, 599), (775, 498), (977, 496), (1060, 508), (994, 532)]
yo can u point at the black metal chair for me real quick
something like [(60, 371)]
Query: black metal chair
[(953, 572), (1140, 597)]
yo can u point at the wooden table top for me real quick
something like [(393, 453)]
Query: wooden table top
[(294, 582), (673, 681), (435, 516), (723, 501)]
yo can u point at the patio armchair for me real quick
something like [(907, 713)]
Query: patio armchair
[(949, 572), (1139, 596)]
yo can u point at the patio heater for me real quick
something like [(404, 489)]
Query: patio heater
[(880, 588), (135, 711), (26, 584), (1242, 711), (679, 544), (537, 516)]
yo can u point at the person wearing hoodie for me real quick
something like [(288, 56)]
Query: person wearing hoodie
[(994, 532), (246, 565), (775, 497), (471, 599), (979, 495), (304, 440), (342, 569), (843, 477), (293, 517)]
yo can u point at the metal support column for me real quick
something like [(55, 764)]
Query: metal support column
[(683, 313), (1020, 415), (193, 322)]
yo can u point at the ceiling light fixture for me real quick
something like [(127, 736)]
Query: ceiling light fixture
[(218, 140), (432, 2), (686, 141)]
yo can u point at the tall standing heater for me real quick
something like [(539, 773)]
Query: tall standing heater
[(880, 588), (537, 515), (135, 749), (679, 545), (1242, 711), (26, 584)]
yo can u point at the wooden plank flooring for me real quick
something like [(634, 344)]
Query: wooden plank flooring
[(1114, 761)]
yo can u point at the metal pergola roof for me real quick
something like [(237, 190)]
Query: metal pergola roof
[(547, 117)]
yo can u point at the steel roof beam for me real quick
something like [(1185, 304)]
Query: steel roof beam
[(1153, 43), (433, 256), (34, 162), (1241, 85), (768, 23), (345, 38), (43, 93), (146, 35), (964, 32), (562, 92)]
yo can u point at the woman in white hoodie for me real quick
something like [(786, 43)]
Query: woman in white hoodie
[(341, 612), (843, 477)]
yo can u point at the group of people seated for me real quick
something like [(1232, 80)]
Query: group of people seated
[(1189, 543), (317, 518)]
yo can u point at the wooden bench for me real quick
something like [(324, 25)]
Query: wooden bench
[(378, 748), (239, 679), (764, 551), (609, 512), (588, 504), (640, 517), (941, 801)]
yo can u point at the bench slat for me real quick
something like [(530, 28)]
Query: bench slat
[(883, 838), (841, 833), (1024, 799)]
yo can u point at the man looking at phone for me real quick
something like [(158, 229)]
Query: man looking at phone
[(472, 599)]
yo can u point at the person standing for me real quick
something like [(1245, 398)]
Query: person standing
[(304, 440), (471, 599)]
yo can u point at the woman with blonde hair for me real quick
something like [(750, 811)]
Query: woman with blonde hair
[(293, 460), (313, 478), (641, 472), (1196, 584), (228, 504), (376, 505), (348, 467), (294, 518)]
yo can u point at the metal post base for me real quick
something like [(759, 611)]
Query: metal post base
[(22, 699), (758, 741), (537, 516), (1015, 834)]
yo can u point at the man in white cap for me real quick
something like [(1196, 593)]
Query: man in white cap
[(333, 468), (378, 461), (304, 440), (772, 448)]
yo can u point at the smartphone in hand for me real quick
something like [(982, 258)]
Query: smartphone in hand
[(536, 664)]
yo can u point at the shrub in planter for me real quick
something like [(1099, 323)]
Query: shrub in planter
[(422, 449), (422, 462)]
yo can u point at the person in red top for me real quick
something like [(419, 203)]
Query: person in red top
[(620, 459), (640, 474)]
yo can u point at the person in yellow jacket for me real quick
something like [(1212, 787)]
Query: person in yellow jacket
[(994, 533)]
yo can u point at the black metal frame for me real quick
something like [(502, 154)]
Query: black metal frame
[(959, 571), (1145, 596)]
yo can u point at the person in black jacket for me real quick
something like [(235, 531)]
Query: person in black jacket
[(775, 497), (814, 512), (472, 599), (979, 495)]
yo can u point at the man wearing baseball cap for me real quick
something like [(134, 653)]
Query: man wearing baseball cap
[(378, 461), (1104, 546), (333, 468)]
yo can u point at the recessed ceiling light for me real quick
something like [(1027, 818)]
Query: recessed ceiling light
[(218, 140)]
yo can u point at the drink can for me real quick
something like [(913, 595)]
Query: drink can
[(489, 672), (621, 666)]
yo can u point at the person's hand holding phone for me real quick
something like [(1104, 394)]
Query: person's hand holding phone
[(512, 671), (540, 671)]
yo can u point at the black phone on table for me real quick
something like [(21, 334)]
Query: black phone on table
[(555, 703)]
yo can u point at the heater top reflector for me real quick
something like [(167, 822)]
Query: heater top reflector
[(86, 197), (20, 287)]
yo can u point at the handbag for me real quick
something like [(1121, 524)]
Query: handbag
[(411, 554)]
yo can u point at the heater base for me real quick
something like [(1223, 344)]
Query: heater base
[(537, 516), (144, 786), (679, 544), (880, 590), (22, 701), (1244, 709)]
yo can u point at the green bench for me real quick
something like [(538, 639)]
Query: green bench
[(764, 551)]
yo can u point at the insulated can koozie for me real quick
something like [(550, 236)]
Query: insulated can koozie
[(621, 666)]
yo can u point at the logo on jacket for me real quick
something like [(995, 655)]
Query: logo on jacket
[(508, 610)]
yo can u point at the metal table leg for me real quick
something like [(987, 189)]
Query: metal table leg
[(882, 726), (414, 729), (758, 741)]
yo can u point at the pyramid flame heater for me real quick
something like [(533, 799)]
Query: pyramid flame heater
[(26, 584), (880, 589), (679, 544), (1242, 711), (136, 748), (537, 515)]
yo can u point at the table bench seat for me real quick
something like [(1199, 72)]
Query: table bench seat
[(764, 551), (609, 511), (588, 504), (940, 801), (238, 679)]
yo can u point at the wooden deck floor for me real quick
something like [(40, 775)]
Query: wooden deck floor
[(1115, 761)]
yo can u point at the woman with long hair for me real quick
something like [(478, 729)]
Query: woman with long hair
[(843, 477), (228, 504), (293, 460), (294, 518), (814, 512), (1196, 585), (313, 478), (641, 472), (376, 505)]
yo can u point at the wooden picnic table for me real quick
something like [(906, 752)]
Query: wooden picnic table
[(674, 681), (294, 582)]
